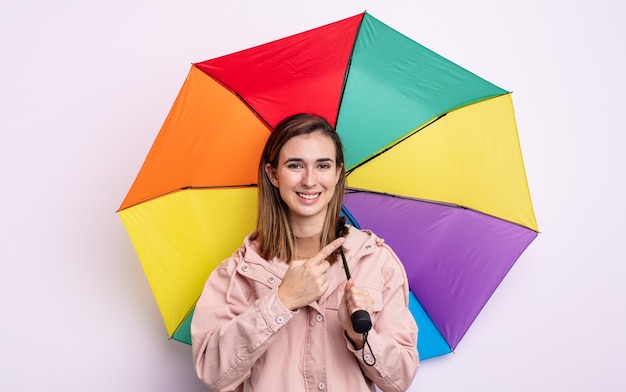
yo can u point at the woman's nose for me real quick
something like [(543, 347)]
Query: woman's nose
[(308, 177)]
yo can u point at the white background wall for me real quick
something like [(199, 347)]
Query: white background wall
[(85, 87)]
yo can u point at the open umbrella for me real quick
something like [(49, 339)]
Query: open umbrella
[(432, 153)]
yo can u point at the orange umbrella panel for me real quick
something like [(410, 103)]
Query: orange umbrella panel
[(209, 139)]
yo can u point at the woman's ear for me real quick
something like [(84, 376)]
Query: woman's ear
[(271, 174)]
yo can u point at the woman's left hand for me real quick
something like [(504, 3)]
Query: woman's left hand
[(354, 299)]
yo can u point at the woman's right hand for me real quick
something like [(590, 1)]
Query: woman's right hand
[(305, 280)]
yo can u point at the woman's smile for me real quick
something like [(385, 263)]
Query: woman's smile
[(309, 196)]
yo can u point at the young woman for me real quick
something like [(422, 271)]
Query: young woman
[(275, 316)]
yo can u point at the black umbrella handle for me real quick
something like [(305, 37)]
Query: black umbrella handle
[(361, 322)]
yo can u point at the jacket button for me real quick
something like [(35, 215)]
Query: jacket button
[(271, 279), (280, 320), (321, 386), (244, 268), (319, 317)]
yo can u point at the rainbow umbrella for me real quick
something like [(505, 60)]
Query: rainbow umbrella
[(432, 153)]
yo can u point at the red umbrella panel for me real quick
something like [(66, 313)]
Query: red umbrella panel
[(432, 153)]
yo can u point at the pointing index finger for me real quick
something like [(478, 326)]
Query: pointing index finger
[(327, 250)]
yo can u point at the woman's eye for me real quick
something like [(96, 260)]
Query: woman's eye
[(325, 166), (294, 165)]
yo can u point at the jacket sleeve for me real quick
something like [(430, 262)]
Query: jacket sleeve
[(228, 333), (393, 337)]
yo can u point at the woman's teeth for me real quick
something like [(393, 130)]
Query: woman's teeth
[(308, 196)]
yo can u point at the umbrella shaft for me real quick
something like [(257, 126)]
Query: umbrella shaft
[(345, 263)]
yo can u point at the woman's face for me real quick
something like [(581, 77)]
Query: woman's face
[(306, 175)]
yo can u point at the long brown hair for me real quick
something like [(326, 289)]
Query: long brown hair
[(273, 232)]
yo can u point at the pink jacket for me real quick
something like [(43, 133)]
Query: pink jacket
[(244, 339)]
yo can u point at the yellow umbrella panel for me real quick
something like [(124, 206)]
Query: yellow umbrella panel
[(470, 157), (179, 242)]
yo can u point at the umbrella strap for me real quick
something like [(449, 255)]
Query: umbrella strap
[(366, 343)]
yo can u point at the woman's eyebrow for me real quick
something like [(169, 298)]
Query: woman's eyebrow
[(295, 159)]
